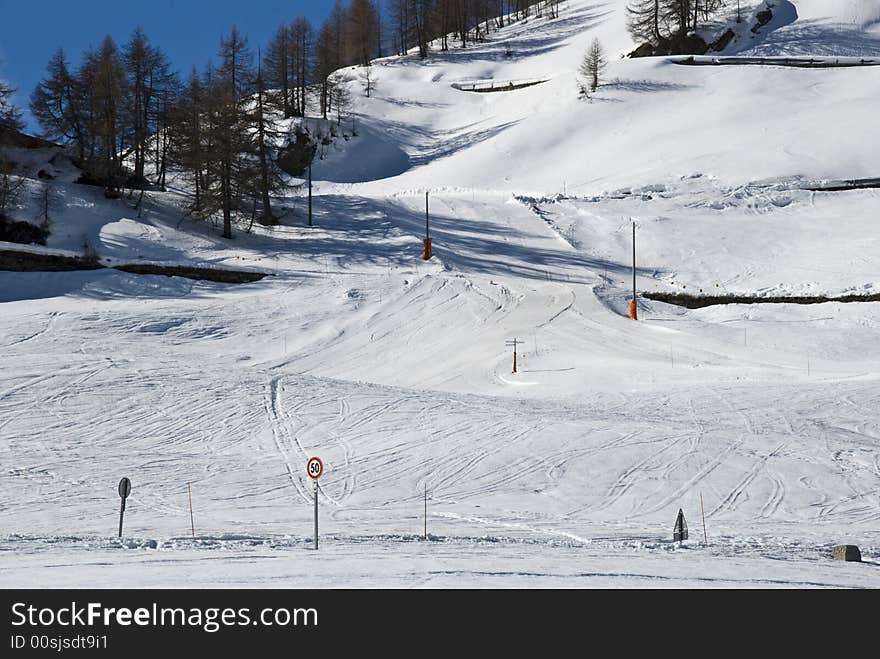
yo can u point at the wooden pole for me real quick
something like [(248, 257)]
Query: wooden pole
[(191, 520), (703, 513), (633, 312), (427, 226)]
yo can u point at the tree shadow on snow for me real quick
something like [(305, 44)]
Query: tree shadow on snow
[(644, 86), (493, 248)]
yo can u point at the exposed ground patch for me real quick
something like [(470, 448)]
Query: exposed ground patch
[(842, 186), (14, 261), (700, 301)]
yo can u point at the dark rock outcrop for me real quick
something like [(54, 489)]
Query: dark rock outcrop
[(722, 42), (645, 50), (296, 156), (762, 18), (23, 233), (847, 553), (689, 44)]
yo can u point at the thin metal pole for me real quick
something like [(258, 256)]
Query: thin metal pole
[(427, 226), (634, 261), (703, 512), (121, 514), (316, 515), (310, 194), (426, 510), (191, 520)]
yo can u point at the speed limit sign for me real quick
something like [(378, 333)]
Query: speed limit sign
[(314, 468)]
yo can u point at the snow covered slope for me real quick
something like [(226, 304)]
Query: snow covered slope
[(396, 372), (651, 120), (816, 27)]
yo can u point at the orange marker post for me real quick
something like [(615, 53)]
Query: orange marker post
[(632, 303)]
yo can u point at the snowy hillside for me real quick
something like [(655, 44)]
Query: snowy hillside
[(395, 371)]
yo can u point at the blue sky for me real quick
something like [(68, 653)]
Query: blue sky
[(188, 31)]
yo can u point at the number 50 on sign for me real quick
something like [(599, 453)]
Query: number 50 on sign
[(315, 468)]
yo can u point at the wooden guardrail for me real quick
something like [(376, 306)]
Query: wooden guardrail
[(798, 62)]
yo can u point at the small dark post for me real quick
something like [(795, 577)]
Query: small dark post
[(427, 253), (680, 532), (310, 193), (124, 491), (316, 515), (703, 513), (192, 522)]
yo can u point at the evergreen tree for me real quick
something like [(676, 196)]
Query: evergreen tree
[(189, 150), (149, 83), (10, 122), (104, 83), (302, 38), (643, 20), (266, 135), (593, 65), (57, 105), (362, 19), (230, 87), (326, 62), (278, 70), (10, 116)]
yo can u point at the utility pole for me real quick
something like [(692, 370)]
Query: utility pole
[(514, 343), (310, 193), (632, 305)]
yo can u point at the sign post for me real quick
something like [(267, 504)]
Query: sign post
[(314, 468), (124, 491)]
